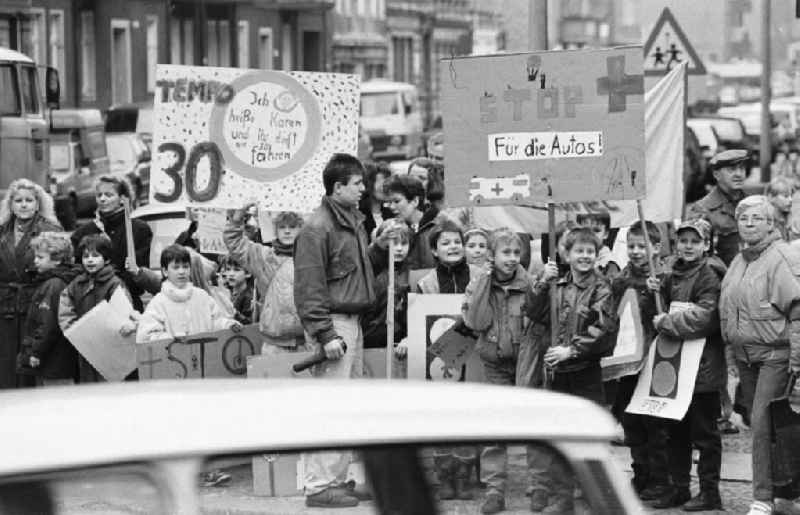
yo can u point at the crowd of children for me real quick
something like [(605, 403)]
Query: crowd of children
[(506, 308)]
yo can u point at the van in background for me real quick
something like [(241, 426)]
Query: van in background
[(390, 116)]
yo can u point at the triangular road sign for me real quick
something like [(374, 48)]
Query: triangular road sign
[(667, 46)]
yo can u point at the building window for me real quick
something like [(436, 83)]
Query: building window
[(287, 49), (244, 44), (56, 42), (121, 91), (88, 77), (5, 32), (187, 41), (218, 43), (265, 48), (33, 36), (402, 59), (152, 51)]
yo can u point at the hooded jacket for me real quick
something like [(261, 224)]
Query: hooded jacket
[(419, 248), (698, 283), (43, 338)]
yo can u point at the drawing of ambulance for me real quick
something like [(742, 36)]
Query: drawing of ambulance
[(513, 188)]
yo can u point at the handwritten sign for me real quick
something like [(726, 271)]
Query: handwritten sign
[(666, 383), (214, 354), (544, 127), (227, 136), (210, 224)]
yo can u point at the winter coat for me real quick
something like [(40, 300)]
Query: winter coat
[(699, 283), (495, 311), (419, 248), (370, 223), (113, 226), (78, 298), (16, 291), (333, 268), (373, 324), (758, 293), (180, 312), (448, 278), (44, 339), (243, 304), (719, 209), (274, 276), (587, 319)]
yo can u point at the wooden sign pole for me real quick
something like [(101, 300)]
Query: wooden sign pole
[(129, 231), (390, 313), (551, 256), (649, 250)]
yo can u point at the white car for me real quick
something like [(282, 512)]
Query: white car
[(141, 447)]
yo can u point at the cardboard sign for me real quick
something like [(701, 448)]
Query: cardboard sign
[(666, 384), (629, 351), (544, 127), (214, 354), (430, 317), (210, 224), (96, 336), (277, 365), (228, 136)]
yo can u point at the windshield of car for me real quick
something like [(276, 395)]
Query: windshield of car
[(59, 155), (728, 130), (9, 91), (705, 134), (120, 150), (96, 142), (379, 104)]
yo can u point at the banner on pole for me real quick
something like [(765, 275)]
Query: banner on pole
[(227, 136), (544, 127)]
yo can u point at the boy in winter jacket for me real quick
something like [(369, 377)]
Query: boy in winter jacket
[(695, 279), (272, 268), (45, 352), (645, 436), (181, 308), (240, 283), (493, 309), (586, 324), (97, 283)]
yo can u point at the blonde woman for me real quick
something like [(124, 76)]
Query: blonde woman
[(25, 212)]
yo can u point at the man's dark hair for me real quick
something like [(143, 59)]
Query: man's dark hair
[(435, 191), (444, 224), (175, 254), (408, 186), (99, 243), (339, 169), (121, 186), (652, 231), (603, 217), (372, 171)]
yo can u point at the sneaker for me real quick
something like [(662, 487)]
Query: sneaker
[(494, 503), (332, 498), (654, 492), (760, 508), (214, 478), (704, 501)]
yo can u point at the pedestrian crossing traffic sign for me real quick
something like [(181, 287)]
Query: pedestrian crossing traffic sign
[(668, 46)]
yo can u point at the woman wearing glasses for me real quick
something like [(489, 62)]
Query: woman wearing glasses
[(760, 318)]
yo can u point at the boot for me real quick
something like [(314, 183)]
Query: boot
[(705, 500), (461, 480), (676, 497), (562, 503), (640, 478), (654, 492), (444, 471), (539, 500)]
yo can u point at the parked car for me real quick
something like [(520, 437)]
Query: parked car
[(129, 156), (390, 115), (78, 155), (730, 134), (696, 171), (135, 118), (160, 435), (166, 221)]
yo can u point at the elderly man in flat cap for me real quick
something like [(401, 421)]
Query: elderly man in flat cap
[(718, 206)]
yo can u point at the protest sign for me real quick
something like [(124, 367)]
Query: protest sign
[(228, 136), (214, 354), (628, 354), (544, 127), (96, 336), (430, 317), (666, 383), (277, 365), (210, 224), (664, 150)]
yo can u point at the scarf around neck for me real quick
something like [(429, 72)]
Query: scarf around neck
[(176, 294), (281, 249), (750, 254)]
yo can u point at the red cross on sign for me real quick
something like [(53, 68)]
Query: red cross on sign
[(617, 85)]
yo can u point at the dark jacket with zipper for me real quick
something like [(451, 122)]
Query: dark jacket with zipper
[(419, 248), (698, 283), (587, 320), (333, 268), (44, 339), (448, 278)]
